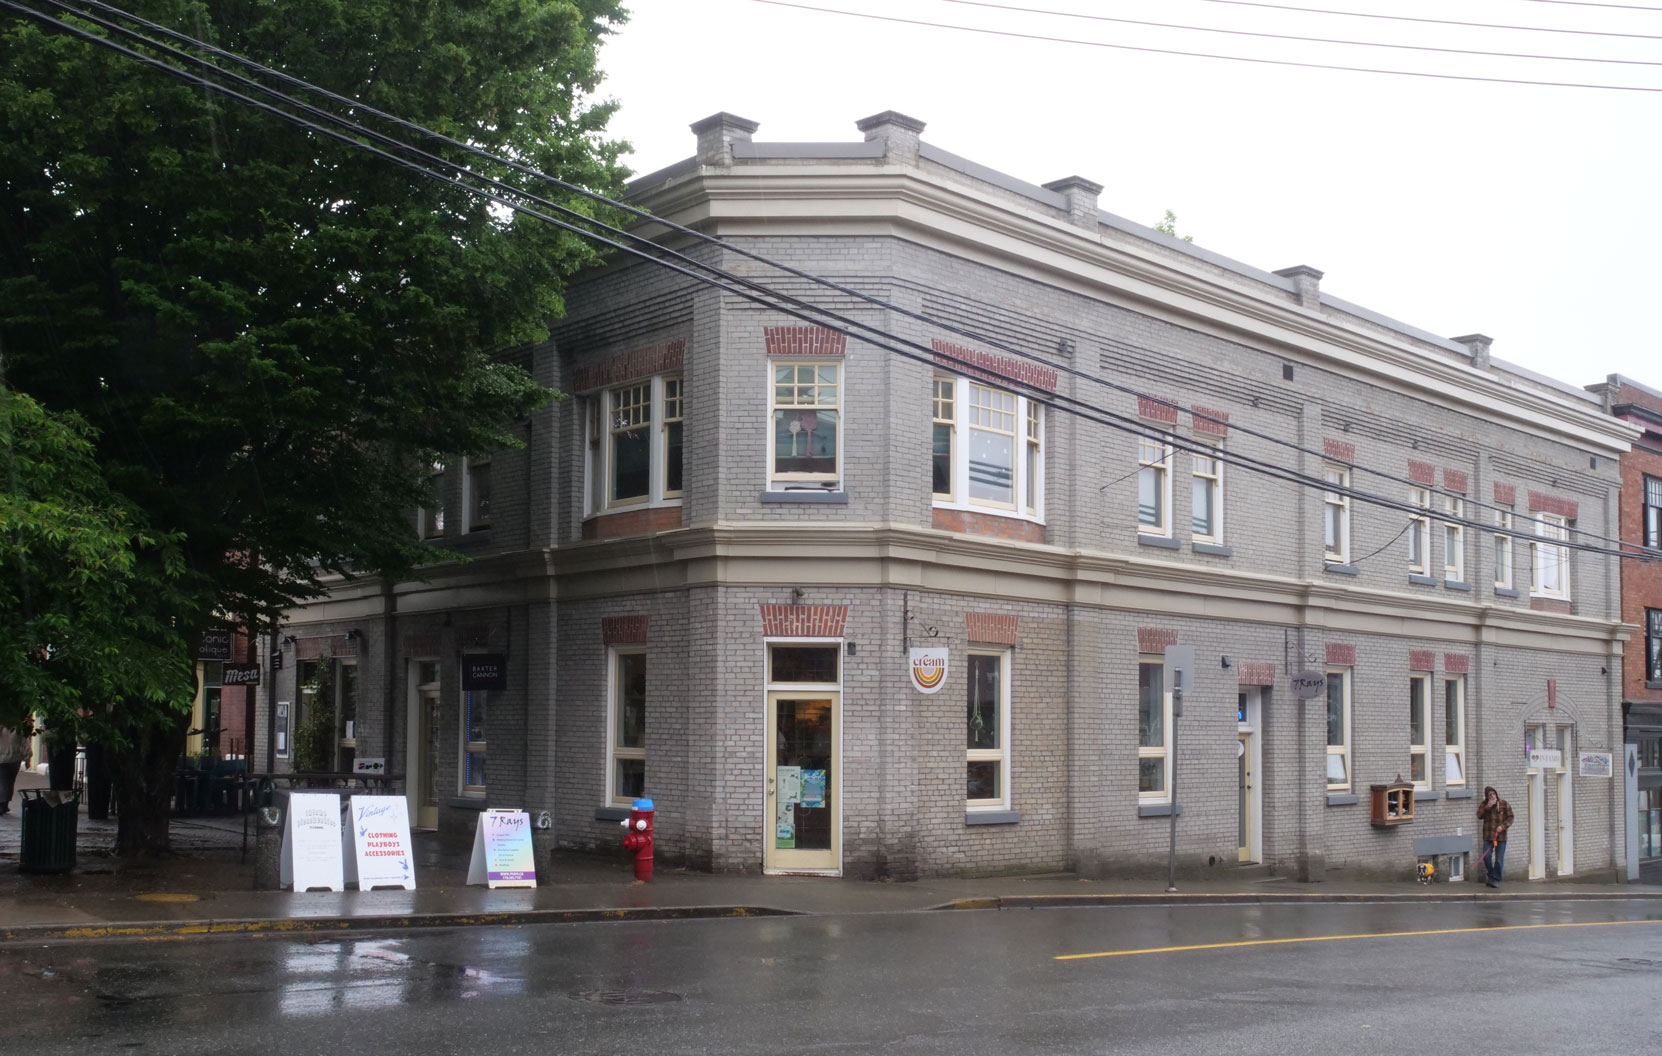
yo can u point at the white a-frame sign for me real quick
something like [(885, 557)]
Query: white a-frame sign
[(376, 845), (502, 854), (311, 843)]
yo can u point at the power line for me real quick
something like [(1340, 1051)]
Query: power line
[(1203, 54), (1290, 36), (1589, 3), (1433, 21), (721, 279)]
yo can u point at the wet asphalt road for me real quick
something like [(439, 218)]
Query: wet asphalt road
[(959, 982)]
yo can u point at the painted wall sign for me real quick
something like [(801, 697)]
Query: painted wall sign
[(1308, 685), (502, 853), (239, 675), (484, 671), (1597, 764), (928, 667), (311, 855), (215, 644), (377, 844)]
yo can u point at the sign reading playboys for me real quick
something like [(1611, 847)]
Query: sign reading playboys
[(311, 854), (377, 847), (502, 854), (928, 667)]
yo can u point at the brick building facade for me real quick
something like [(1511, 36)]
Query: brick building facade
[(704, 572)]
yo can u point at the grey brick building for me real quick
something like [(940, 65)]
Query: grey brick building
[(702, 575)]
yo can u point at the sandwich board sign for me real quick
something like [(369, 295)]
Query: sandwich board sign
[(502, 854), (311, 856), (377, 844)]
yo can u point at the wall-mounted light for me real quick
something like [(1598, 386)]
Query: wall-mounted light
[(288, 639), (1226, 664), (352, 635)]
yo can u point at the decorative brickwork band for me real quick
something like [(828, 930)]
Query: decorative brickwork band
[(1209, 422), (807, 341), (1422, 660), (641, 363), (990, 628), (1339, 450), (325, 645), (623, 630), (633, 522), (1564, 508), (973, 523), (425, 643), (1422, 473), (1256, 675), (1456, 664), (1157, 410), (1341, 655), (996, 368), (804, 621), (1155, 639), (1506, 494), (1552, 692), (1455, 480)]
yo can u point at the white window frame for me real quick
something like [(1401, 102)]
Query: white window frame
[(1454, 747), (465, 747), (614, 707), (664, 394), (1552, 536), (635, 416), (1341, 751), (1336, 504), (671, 401), (965, 416), (471, 522), (1161, 751), (1454, 539), (1504, 551), (430, 519), (1651, 500), (1001, 754), (831, 482), (1207, 473), (1420, 750), (1154, 460), (1419, 533)]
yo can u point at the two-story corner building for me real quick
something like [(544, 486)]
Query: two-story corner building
[(701, 578), (1641, 522)]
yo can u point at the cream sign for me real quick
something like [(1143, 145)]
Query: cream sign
[(928, 667)]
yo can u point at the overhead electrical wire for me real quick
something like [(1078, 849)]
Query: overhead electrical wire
[(1590, 3), (1433, 21), (1203, 54), (721, 280), (1289, 36)]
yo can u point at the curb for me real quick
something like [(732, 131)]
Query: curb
[(178, 929), (1262, 898)]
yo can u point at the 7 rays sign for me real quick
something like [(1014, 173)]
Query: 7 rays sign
[(928, 669)]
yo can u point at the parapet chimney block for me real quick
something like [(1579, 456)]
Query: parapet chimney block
[(717, 134)]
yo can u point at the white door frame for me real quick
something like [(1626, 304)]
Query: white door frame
[(1251, 727), (771, 863), (1535, 805), (415, 694), (1566, 802)]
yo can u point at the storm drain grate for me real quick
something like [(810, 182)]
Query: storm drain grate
[(629, 997)]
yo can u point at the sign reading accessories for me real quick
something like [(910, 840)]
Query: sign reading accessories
[(485, 671)]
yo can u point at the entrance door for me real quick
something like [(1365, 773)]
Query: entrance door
[(421, 754), (803, 825), (1536, 804), (1566, 805), (1248, 798)]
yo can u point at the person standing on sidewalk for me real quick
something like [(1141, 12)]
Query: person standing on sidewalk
[(14, 748), (1496, 815)]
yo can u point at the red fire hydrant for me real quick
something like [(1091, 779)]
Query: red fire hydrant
[(639, 839)]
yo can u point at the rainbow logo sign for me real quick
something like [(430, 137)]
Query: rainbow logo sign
[(928, 667)]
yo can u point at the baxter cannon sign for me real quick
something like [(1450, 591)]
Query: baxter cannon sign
[(485, 671)]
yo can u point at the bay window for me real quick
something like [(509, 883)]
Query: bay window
[(635, 445), (985, 448)]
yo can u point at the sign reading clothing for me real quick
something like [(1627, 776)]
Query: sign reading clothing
[(377, 844), (484, 671), (502, 854), (311, 855), (928, 668)]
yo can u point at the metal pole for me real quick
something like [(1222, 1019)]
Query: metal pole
[(1171, 851)]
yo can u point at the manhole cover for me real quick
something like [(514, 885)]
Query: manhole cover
[(629, 997)]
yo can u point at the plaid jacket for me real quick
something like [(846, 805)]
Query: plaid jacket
[(1496, 817)]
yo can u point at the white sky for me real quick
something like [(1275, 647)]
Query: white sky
[(1531, 214)]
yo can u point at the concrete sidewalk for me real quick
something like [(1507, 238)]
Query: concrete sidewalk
[(206, 889)]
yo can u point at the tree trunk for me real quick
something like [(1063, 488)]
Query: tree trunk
[(144, 778)]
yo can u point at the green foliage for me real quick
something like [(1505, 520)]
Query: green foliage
[(314, 740), (1168, 226)]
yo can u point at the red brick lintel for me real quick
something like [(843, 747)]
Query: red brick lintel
[(1256, 675), (623, 630), (1341, 655), (804, 621), (1155, 639), (995, 368), (1543, 503), (1339, 450), (989, 627), (640, 363), (810, 342)]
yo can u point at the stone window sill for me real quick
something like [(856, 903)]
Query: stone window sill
[(1421, 581), (611, 813), (1160, 541), (992, 817), (1458, 793), (1342, 799), (1157, 810), (1455, 584), (1423, 794), (1341, 569), (1506, 592), (467, 802), (839, 498), (1214, 549)]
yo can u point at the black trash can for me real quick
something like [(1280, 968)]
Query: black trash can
[(49, 820)]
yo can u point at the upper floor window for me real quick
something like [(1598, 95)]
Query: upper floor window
[(1454, 539), (1552, 556), (805, 441), (431, 517), (635, 443), (1338, 729), (1653, 645), (476, 495), (1336, 521), (1503, 550), (986, 447), (1653, 511), (1419, 730), (1206, 505), (1153, 486), (1454, 733), (1419, 533)]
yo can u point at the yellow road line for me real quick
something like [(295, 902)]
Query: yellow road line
[(1336, 938)]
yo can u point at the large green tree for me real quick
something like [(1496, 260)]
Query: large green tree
[(272, 335)]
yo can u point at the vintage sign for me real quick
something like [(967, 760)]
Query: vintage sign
[(239, 675), (311, 855), (502, 852), (484, 671), (928, 667), (215, 644), (377, 844), (1308, 685), (1596, 764)]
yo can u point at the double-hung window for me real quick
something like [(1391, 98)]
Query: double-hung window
[(1336, 520), (474, 706), (1454, 539), (629, 445), (1653, 645), (1552, 556), (1454, 730), (1419, 533), (476, 495), (1338, 729), (805, 438), (673, 406), (1653, 512), (432, 515), (1206, 501), (1153, 726), (987, 751), (1153, 486), (986, 448), (1503, 550), (635, 444), (1419, 730), (626, 781)]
